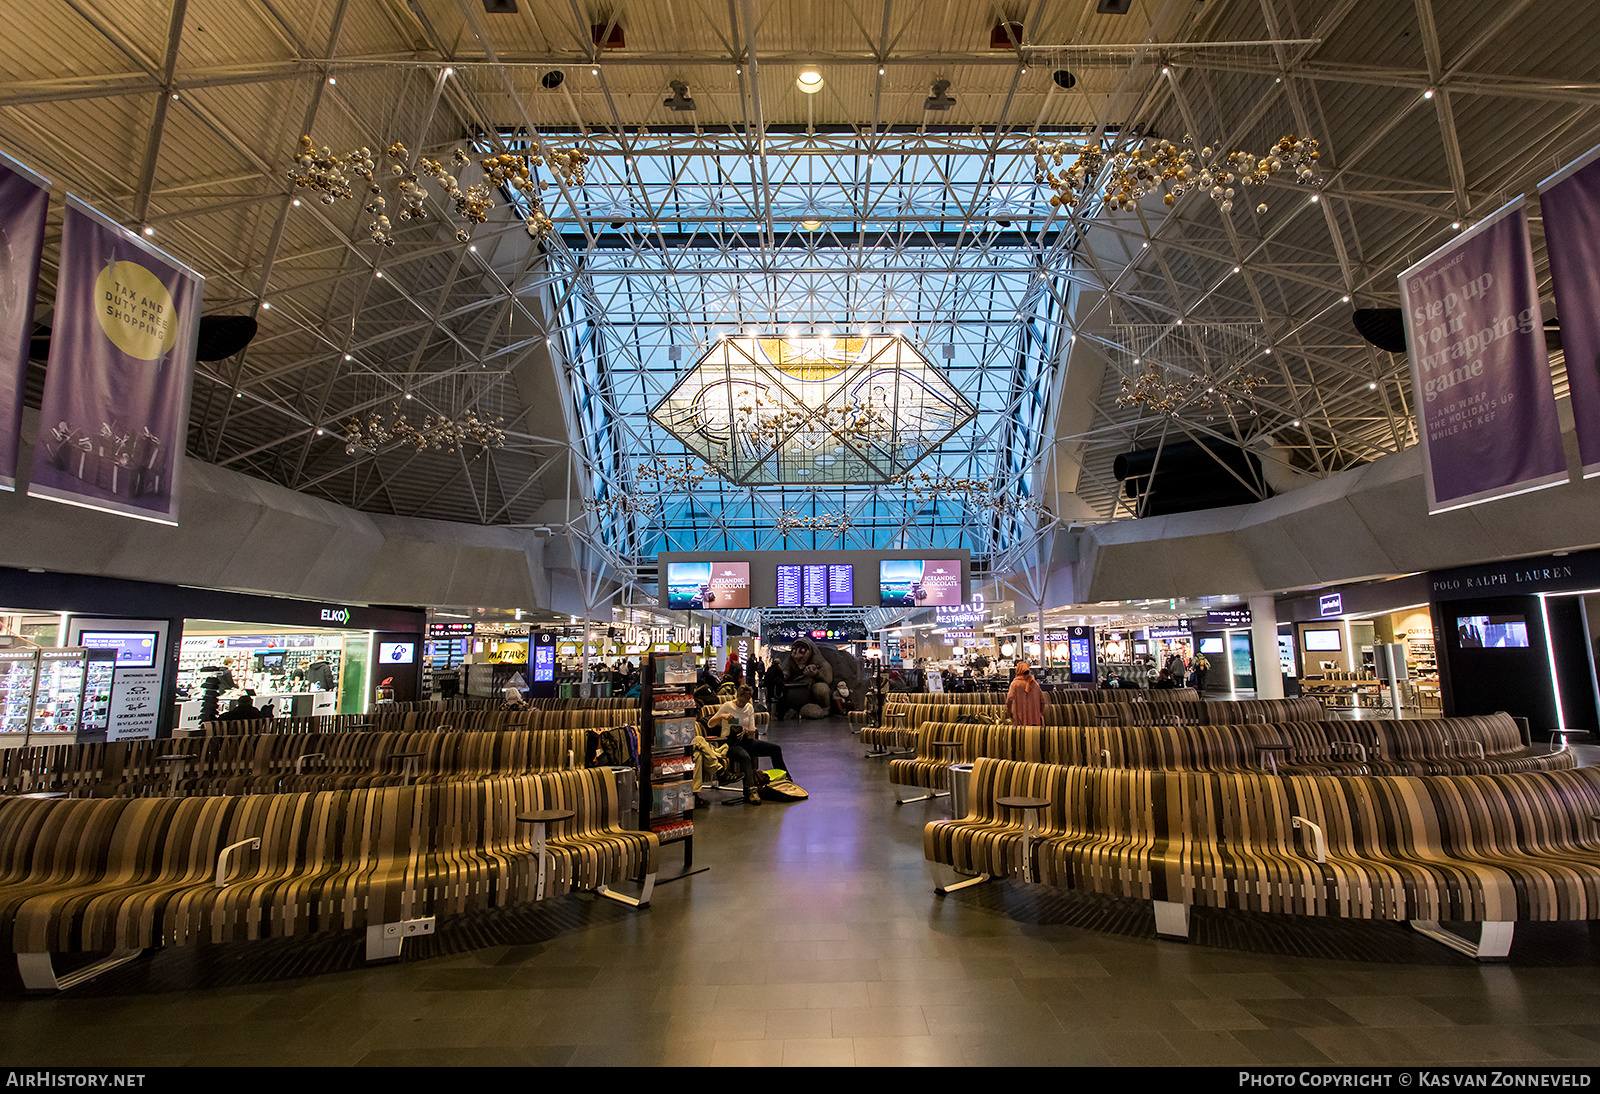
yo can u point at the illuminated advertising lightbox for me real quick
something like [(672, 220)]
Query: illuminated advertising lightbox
[(397, 653), (695, 585), (1080, 652), (919, 583), (544, 659), (135, 649)]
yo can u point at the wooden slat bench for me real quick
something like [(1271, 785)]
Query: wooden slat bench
[(1492, 849), (122, 875)]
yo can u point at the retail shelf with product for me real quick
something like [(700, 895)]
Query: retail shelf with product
[(19, 670), (666, 752)]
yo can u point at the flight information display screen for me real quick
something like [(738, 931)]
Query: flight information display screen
[(841, 585), (789, 586), (816, 586)]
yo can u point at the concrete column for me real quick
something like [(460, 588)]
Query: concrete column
[(1264, 647)]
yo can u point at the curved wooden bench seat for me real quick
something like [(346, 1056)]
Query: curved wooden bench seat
[(125, 874), (1485, 744), (1485, 848)]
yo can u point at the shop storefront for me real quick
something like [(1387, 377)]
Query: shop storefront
[(174, 649), (1339, 636), (1519, 636)]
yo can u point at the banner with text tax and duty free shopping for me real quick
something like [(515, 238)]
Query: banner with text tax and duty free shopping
[(1569, 200), (24, 200), (1480, 379), (114, 422)]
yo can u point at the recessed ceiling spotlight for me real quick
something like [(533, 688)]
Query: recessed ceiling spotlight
[(1372, 387), (1347, 300), (594, 71), (1456, 224), (347, 357), (297, 203), (264, 304), (149, 231), (377, 273), (809, 81), (331, 80), (1236, 269), (1428, 94), (880, 70)]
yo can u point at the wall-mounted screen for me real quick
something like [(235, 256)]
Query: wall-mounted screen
[(919, 583), (1322, 641), (694, 585), (135, 649), (814, 581), (841, 585), (1211, 645), (397, 653), (1492, 631), (788, 586)]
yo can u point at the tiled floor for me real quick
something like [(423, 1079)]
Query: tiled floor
[(815, 939)]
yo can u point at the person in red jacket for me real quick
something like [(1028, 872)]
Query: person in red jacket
[(1025, 700)]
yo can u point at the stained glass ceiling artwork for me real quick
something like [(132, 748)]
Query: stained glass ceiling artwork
[(840, 411)]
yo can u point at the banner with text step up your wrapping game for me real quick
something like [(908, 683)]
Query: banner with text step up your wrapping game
[(113, 426), (1569, 201), (24, 201), (1480, 378)]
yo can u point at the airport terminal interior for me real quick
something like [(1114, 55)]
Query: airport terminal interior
[(1168, 660)]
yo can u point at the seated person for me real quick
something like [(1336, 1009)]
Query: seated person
[(242, 709), (744, 747), (1164, 681)]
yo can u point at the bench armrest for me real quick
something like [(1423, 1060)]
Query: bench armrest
[(222, 859), (1319, 846), (300, 760), (1359, 748), (1475, 744)]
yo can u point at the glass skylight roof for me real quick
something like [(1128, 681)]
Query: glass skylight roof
[(691, 242)]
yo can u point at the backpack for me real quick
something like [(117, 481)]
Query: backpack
[(776, 786), (614, 747)]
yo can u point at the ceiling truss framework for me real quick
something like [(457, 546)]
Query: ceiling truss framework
[(854, 211)]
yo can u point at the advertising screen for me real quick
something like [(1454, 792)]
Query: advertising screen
[(1322, 641), (1211, 645), (919, 583), (544, 663), (135, 649), (694, 585), (1485, 632), (1080, 650), (396, 653)]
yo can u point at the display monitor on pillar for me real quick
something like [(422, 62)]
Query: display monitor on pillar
[(542, 666)]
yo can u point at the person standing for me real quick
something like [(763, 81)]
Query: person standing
[(1025, 700)]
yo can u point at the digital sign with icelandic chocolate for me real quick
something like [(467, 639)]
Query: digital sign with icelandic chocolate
[(919, 583)]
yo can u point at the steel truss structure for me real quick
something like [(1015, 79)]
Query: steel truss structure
[(854, 209)]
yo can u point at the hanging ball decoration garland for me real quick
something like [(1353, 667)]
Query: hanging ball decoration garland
[(436, 432), (1174, 168), (331, 176)]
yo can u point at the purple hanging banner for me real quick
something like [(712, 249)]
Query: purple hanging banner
[(114, 423), (24, 200), (1480, 380), (1570, 202)]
